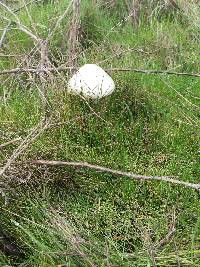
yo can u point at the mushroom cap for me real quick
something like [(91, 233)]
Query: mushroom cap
[(91, 81)]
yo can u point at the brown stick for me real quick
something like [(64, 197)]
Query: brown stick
[(114, 172), (59, 69)]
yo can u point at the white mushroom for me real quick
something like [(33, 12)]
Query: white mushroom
[(91, 81)]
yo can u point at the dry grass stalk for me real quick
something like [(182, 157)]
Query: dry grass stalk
[(134, 10), (74, 34), (71, 237), (135, 13)]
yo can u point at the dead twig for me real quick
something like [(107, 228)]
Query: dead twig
[(70, 236), (59, 69), (153, 72), (58, 22), (171, 218), (44, 63), (24, 144), (40, 44), (18, 23), (10, 142), (26, 4), (4, 33), (98, 168)]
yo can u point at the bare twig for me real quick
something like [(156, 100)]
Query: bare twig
[(40, 44), (26, 4), (153, 72), (24, 144), (70, 236), (9, 10), (30, 17), (171, 230), (44, 63), (98, 168), (28, 32), (60, 69), (33, 70), (148, 244), (18, 23), (4, 33), (10, 142), (58, 22)]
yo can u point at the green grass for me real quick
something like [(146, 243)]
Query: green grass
[(149, 125)]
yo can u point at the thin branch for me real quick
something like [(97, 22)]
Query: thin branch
[(167, 179), (58, 22), (10, 142), (153, 72), (60, 69), (33, 70), (171, 230), (9, 10), (26, 4), (24, 144), (18, 23), (4, 33), (30, 17), (29, 33)]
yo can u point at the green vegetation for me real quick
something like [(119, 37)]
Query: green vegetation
[(149, 125)]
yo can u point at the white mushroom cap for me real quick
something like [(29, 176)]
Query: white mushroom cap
[(91, 81)]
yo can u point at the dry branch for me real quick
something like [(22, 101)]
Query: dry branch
[(59, 21), (4, 33), (24, 144), (26, 4), (63, 69), (10, 142), (18, 22), (98, 168)]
